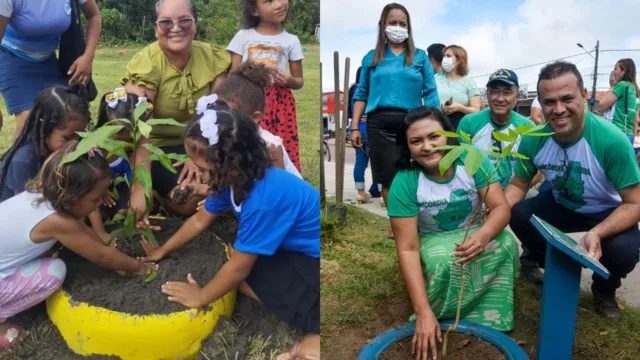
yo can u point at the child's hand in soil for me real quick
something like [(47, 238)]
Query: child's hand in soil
[(154, 253), (144, 269), (424, 339), (188, 293)]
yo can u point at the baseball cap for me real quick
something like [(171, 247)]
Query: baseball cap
[(503, 76)]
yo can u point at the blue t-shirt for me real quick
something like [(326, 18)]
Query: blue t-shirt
[(24, 166), (392, 84), (121, 167), (35, 27), (281, 212)]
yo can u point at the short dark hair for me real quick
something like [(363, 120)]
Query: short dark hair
[(436, 52), (250, 21), (414, 115), (245, 87), (192, 6), (50, 111), (123, 110), (240, 148), (62, 184), (557, 69)]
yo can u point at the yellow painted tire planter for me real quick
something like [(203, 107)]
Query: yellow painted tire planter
[(92, 330)]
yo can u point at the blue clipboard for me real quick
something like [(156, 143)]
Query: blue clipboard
[(567, 245)]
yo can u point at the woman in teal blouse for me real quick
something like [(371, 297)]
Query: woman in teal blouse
[(395, 77)]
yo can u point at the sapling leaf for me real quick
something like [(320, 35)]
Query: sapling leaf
[(149, 235), (115, 193), (114, 235), (449, 158), (450, 134), (466, 137), (524, 167), (522, 129), (507, 150), (494, 154), (171, 122), (519, 156), (151, 276), (115, 219), (444, 147), (143, 177), (179, 157), (538, 134), (140, 110), (473, 160), (144, 128), (164, 161), (127, 123), (494, 148), (119, 180), (130, 224), (501, 136), (536, 128), (513, 135), (83, 134), (92, 139)]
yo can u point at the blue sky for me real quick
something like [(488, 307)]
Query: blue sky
[(495, 33)]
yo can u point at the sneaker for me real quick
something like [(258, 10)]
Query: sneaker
[(606, 305)]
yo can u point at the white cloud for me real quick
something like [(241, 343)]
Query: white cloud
[(540, 30)]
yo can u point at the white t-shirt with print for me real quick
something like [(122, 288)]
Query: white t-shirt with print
[(587, 175), (439, 205), (271, 139), (271, 49)]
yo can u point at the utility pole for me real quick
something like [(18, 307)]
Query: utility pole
[(595, 78)]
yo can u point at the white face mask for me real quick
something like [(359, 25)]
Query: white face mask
[(396, 34), (448, 64)]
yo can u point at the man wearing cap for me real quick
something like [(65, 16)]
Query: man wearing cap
[(434, 52), (595, 185), (502, 94)]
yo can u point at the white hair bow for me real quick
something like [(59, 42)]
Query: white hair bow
[(119, 94), (209, 126), (204, 102)]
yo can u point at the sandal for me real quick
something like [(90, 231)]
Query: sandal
[(14, 335), (293, 354), (363, 199)]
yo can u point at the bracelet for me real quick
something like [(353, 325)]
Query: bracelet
[(352, 130)]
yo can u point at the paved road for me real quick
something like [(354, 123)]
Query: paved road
[(630, 289)]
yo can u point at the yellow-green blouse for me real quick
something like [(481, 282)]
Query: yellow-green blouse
[(177, 91)]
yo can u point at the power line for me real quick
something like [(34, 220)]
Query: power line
[(532, 65), (617, 50)]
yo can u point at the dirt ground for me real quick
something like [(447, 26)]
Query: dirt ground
[(252, 333)]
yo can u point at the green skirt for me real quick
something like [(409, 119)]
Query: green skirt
[(488, 291)]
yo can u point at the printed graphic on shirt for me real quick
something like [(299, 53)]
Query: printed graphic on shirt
[(570, 187), (265, 54), (456, 211)]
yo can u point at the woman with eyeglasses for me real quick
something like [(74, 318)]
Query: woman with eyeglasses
[(29, 37), (173, 73)]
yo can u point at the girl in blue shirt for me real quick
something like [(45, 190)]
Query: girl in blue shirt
[(395, 77), (29, 36), (276, 256)]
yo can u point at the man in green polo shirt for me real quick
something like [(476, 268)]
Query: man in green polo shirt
[(502, 94), (595, 184)]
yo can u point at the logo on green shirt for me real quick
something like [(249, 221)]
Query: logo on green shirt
[(456, 211), (570, 187)]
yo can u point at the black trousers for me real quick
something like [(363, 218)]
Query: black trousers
[(620, 252)]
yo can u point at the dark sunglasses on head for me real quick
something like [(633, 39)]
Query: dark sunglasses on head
[(168, 24)]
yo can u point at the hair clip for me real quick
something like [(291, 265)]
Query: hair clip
[(119, 94), (144, 100), (206, 103), (209, 126)]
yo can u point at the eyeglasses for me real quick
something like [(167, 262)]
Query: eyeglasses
[(168, 24)]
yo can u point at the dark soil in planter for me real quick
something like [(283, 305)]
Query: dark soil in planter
[(202, 257), (460, 347), (253, 332), (181, 196)]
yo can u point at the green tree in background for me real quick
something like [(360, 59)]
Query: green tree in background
[(131, 21)]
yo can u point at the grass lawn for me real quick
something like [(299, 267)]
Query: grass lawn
[(363, 294), (109, 67)]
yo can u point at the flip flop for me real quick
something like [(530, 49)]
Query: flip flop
[(12, 336), (293, 354)]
